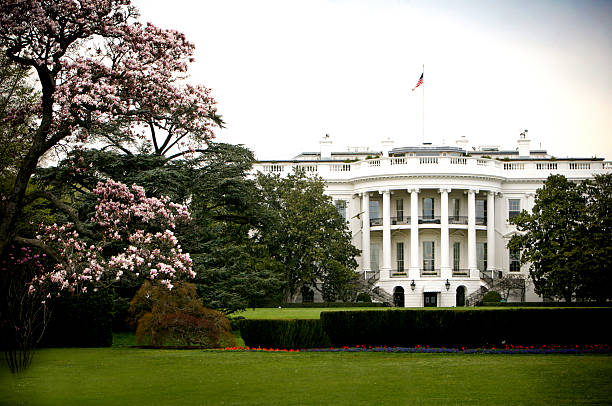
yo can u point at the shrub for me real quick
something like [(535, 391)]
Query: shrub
[(364, 297), (286, 334), (470, 328), (81, 321), (177, 317), (492, 297)]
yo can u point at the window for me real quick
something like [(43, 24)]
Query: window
[(374, 257), (456, 207), (481, 211), (341, 207), (428, 208), (428, 255), (515, 261), (399, 255), (481, 255), (399, 210), (374, 209), (456, 255), (514, 208)]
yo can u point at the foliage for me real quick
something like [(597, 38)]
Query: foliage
[(287, 334), (363, 297), (492, 297), (566, 238), (177, 317), (103, 76), (469, 328), (307, 236)]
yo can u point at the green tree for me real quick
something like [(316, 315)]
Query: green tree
[(307, 236), (566, 239)]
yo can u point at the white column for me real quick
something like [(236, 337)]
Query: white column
[(365, 233), (472, 265), (386, 266), (445, 269), (491, 231), (415, 267)]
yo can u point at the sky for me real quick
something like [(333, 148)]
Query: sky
[(287, 72)]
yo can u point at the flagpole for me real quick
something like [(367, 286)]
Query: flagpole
[(423, 103)]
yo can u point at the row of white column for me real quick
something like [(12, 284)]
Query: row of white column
[(415, 266)]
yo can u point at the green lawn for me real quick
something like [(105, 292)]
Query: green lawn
[(125, 376)]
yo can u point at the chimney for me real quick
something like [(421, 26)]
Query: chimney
[(523, 145), (386, 146), (326, 147), (462, 142)]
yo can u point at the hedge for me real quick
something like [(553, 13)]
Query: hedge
[(547, 304), (468, 328), (286, 334), (80, 321)]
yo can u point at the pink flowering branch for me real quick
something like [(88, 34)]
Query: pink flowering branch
[(124, 214)]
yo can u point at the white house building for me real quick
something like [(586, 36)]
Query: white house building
[(432, 221)]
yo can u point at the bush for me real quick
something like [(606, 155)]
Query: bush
[(331, 304), (469, 328), (364, 297), (285, 334), (492, 297), (80, 321), (177, 317)]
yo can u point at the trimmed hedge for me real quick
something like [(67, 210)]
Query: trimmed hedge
[(468, 328), (547, 304), (286, 334), (80, 321)]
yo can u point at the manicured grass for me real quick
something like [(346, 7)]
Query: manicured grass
[(125, 376)]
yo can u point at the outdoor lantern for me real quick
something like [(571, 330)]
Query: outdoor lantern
[(447, 284), (412, 284)]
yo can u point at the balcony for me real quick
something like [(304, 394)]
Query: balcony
[(428, 272), (429, 219), (457, 220), (398, 273), (461, 272), (400, 220), (377, 221), (481, 221)]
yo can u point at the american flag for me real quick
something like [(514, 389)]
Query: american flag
[(419, 83)]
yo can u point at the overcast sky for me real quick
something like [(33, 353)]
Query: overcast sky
[(287, 72)]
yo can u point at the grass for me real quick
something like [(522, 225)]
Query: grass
[(121, 375), (314, 313)]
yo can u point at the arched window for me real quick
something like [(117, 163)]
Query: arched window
[(398, 296), (460, 296)]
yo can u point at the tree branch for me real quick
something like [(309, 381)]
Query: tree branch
[(39, 244), (67, 209)]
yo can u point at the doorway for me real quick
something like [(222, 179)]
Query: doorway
[(460, 296), (398, 296), (431, 299)]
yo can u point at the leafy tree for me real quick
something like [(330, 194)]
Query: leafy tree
[(566, 238), (307, 235), (177, 317), (102, 76)]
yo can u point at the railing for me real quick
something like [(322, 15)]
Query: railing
[(427, 160), (546, 166), (429, 219), (457, 220), (309, 168), (481, 221), (400, 220), (430, 272), (513, 166), (458, 161), (377, 221), (273, 168), (399, 161), (461, 272), (373, 162), (340, 167), (579, 166), (398, 273)]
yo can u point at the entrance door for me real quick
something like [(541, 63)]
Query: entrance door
[(431, 299), (460, 296), (398, 296)]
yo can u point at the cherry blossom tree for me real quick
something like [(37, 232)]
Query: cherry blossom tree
[(102, 76)]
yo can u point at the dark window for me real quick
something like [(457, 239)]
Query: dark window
[(400, 256), (399, 209), (481, 211), (515, 261), (428, 208), (428, 255), (341, 207), (456, 255)]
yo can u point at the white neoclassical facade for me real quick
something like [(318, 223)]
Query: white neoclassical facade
[(432, 221)]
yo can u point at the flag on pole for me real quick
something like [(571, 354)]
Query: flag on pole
[(419, 83)]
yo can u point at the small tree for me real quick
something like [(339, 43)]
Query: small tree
[(177, 317)]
